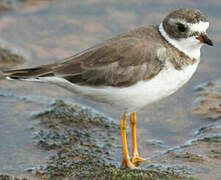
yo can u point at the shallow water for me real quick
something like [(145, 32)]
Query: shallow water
[(48, 32)]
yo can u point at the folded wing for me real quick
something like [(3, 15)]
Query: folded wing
[(121, 61)]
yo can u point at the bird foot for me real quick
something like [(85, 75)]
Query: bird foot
[(137, 159), (128, 164)]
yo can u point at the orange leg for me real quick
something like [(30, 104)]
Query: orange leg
[(126, 158), (135, 155)]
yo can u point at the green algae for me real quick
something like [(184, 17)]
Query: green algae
[(85, 146)]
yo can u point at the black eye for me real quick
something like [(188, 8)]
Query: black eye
[(181, 27)]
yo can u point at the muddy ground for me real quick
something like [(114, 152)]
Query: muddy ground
[(84, 145)]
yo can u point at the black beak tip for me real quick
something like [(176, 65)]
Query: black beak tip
[(211, 43), (207, 40)]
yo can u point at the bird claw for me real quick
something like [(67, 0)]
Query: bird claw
[(128, 164), (137, 159)]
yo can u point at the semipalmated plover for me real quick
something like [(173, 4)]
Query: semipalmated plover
[(131, 70)]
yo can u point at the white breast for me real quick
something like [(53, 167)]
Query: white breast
[(134, 97)]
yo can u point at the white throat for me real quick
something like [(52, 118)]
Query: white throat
[(190, 46)]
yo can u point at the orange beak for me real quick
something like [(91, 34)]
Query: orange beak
[(204, 39)]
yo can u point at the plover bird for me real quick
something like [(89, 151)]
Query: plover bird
[(132, 69)]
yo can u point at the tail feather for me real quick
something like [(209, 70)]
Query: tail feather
[(29, 73)]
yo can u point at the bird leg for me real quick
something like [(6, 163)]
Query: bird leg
[(126, 158), (135, 155)]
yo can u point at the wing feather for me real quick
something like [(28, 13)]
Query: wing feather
[(121, 61)]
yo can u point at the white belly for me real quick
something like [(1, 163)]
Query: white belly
[(132, 98)]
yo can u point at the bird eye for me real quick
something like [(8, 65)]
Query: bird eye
[(181, 27)]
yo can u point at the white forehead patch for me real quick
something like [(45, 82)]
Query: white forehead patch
[(198, 27)]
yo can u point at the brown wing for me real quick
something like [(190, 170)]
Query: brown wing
[(121, 61)]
